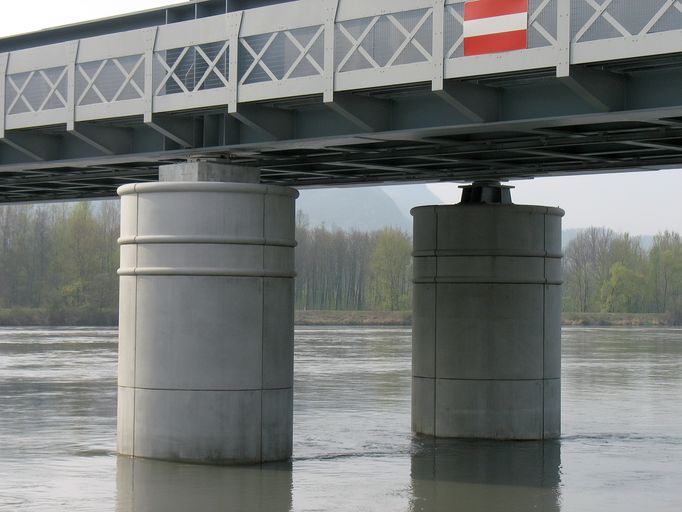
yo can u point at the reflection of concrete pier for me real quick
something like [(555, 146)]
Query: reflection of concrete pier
[(485, 476), (144, 485)]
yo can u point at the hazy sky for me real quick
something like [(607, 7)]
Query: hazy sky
[(31, 15), (641, 203)]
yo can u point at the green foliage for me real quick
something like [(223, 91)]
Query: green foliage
[(59, 259), (390, 271), (58, 265), (623, 292), (609, 272), (352, 270)]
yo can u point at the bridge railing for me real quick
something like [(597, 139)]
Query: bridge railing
[(620, 29), (309, 47)]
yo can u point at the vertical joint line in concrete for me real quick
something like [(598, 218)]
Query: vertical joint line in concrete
[(137, 279), (544, 316), (435, 325), (262, 323)]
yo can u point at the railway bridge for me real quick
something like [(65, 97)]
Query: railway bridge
[(207, 115)]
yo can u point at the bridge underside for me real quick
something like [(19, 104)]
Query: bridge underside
[(621, 117), (338, 92)]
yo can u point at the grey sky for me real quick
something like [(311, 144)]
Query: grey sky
[(641, 203), (31, 15)]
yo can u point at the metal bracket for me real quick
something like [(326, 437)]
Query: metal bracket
[(367, 114), (107, 140), (477, 103), (604, 91), (273, 123)]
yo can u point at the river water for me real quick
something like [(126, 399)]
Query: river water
[(621, 448)]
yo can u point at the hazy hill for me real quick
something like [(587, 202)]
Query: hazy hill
[(409, 196), (364, 208), (372, 208), (647, 241)]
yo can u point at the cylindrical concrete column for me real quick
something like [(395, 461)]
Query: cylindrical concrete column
[(487, 321), (206, 322)]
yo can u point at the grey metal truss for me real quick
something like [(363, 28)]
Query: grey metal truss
[(339, 92)]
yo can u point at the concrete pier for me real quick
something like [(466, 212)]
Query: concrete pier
[(487, 318), (206, 317)]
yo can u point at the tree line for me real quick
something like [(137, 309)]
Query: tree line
[(611, 272), (58, 265), (352, 270)]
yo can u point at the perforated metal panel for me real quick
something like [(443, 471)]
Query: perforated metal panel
[(36, 91), (110, 80), (542, 23), (593, 20), (384, 41), (192, 68), (277, 56)]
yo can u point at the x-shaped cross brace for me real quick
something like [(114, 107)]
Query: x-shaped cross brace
[(600, 12), (54, 91), (127, 79), (171, 70), (409, 38), (460, 40), (20, 92), (304, 53), (661, 12)]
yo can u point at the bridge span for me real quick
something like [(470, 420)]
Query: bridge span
[(207, 112), (337, 92)]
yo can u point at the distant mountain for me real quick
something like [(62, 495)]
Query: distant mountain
[(364, 208), (373, 208), (360, 208), (409, 196), (567, 235)]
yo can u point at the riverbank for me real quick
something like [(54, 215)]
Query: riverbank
[(22, 317), (617, 320), (404, 318), (381, 318)]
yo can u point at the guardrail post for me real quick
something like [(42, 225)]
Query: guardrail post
[(4, 59), (331, 8), (150, 43), (438, 46), (563, 38), (71, 86), (234, 29)]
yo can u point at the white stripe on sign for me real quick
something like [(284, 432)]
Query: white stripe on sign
[(496, 25)]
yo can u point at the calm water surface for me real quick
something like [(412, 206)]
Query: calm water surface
[(353, 451)]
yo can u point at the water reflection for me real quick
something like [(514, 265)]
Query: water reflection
[(472, 476), (155, 486), (620, 451)]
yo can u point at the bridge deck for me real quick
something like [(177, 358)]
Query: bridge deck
[(324, 92)]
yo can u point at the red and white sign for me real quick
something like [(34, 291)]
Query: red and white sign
[(493, 26)]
